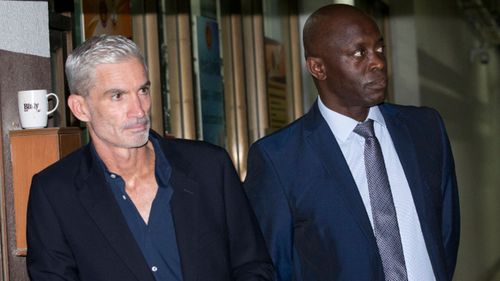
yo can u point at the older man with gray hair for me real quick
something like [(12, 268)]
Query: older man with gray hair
[(131, 205)]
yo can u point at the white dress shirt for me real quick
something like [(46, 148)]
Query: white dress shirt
[(352, 145)]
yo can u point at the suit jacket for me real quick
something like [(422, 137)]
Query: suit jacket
[(76, 230), (312, 215)]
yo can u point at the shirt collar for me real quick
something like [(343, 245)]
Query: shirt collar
[(341, 125), (163, 169)]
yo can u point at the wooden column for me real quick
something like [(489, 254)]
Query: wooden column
[(31, 152)]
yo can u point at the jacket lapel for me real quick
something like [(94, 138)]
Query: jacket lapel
[(102, 207), (184, 212), (404, 143), (405, 148), (324, 144)]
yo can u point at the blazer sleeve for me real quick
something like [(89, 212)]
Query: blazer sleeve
[(249, 257), (450, 204), (49, 256), (271, 207)]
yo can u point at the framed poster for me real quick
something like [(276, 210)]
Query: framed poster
[(277, 103), (110, 17), (210, 81)]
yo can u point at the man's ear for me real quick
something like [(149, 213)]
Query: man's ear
[(79, 107), (316, 67)]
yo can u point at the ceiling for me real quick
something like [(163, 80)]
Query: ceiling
[(484, 16)]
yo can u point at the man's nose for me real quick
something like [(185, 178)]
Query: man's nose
[(377, 61), (136, 106)]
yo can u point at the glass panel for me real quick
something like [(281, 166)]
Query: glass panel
[(276, 31), (176, 73), (60, 45), (58, 53), (165, 89), (208, 71)]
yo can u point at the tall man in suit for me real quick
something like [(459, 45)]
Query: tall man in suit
[(334, 206), (130, 205)]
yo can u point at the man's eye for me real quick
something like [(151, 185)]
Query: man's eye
[(144, 90), (359, 53), (116, 96), (380, 49)]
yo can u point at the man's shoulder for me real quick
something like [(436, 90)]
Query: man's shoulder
[(411, 114), (392, 108), (421, 120), (190, 146), (192, 152), (67, 163), (283, 136), (61, 173)]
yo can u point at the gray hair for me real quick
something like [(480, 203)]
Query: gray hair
[(103, 49)]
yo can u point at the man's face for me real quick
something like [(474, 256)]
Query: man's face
[(119, 105), (355, 65)]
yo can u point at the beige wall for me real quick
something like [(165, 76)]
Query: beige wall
[(467, 93)]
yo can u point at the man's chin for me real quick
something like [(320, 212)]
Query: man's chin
[(142, 142), (377, 98), (138, 139)]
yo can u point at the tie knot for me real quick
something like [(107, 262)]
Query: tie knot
[(365, 129)]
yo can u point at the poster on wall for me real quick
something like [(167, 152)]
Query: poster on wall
[(276, 85), (110, 17), (210, 81), (277, 105)]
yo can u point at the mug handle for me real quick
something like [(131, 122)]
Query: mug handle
[(57, 102)]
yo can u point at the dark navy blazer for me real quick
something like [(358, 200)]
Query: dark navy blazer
[(312, 215), (76, 230)]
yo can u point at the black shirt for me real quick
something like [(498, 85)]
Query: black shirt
[(156, 239)]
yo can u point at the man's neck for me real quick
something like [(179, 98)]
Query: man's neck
[(126, 162)]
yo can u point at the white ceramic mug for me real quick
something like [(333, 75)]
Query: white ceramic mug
[(33, 108)]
